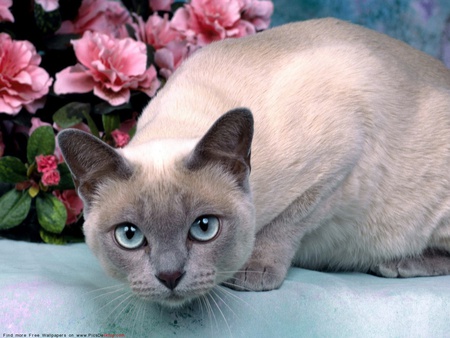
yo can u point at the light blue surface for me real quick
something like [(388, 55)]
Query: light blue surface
[(48, 289)]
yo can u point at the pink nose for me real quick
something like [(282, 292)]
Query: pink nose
[(170, 279)]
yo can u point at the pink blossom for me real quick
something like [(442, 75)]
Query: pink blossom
[(50, 178), (48, 5), (46, 163), (36, 123), (102, 16), (258, 13), (2, 145), (121, 139), (108, 66), (160, 5), (205, 21), (157, 31), (22, 82), (5, 13), (129, 124), (73, 204), (171, 47), (170, 57)]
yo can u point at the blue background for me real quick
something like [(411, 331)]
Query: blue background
[(424, 24)]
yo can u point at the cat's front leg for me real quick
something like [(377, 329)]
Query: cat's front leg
[(266, 269), (275, 247)]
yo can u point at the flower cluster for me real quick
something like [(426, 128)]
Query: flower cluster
[(47, 165), (23, 83), (91, 65)]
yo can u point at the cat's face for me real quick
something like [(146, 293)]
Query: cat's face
[(172, 231), (172, 239)]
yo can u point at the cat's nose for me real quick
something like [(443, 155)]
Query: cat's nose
[(170, 279)]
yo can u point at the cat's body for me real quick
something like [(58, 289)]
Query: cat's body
[(349, 165)]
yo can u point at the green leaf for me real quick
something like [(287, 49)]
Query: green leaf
[(14, 208), (132, 131), (92, 125), (110, 122), (51, 213), (50, 238), (12, 170), (41, 142), (71, 114), (106, 108), (47, 22), (66, 181)]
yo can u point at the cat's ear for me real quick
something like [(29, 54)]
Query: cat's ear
[(228, 144), (90, 161)]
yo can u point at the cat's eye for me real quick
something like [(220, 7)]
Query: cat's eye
[(129, 236), (204, 228)]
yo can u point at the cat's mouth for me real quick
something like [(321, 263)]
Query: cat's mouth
[(175, 300)]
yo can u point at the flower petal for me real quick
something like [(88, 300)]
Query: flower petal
[(73, 79)]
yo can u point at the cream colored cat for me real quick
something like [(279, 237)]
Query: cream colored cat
[(350, 162)]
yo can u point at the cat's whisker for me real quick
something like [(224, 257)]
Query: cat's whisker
[(133, 315), (233, 296), (211, 314), (216, 293), (220, 310), (115, 286), (110, 292), (236, 286), (103, 292), (247, 271), (202, 303), (112, 301), (127, 299), (140, 318)]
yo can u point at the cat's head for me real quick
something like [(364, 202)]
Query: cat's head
[(172, 218)]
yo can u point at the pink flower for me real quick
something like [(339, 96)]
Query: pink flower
[(170, 57), (102, 16), (205, 21), (121, 139), (108, 66), (157, 31), (129, 124), (22, 82), (48, 5), (160, 5), (73, 204), (46, 163), (5, 13), (258, 13), (50, 177), (171, 48), (36, 123)]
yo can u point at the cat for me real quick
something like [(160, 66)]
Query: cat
[(318, 144)]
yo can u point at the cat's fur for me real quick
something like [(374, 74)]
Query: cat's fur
[(350, 165)]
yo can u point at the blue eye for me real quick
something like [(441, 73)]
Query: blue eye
[(129, 236), (204, 228)]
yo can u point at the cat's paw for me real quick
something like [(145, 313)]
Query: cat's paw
[(257, 276), (429, 263)]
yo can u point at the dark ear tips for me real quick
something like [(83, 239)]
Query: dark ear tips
[(90, 160), (228, 144)]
